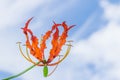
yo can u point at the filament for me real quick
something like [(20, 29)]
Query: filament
[(54, 68), (22, 51), (66, 54)]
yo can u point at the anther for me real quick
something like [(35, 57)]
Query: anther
[(18, 42)]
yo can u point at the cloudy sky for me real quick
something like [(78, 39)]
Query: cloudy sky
[(95, 54)]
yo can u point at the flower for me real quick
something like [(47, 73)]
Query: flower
[(37, 48)]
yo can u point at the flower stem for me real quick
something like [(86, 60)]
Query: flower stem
[(21, 73)]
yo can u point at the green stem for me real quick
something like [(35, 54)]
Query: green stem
[(21, 73)]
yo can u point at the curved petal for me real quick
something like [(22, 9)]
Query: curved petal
[(58, 41)]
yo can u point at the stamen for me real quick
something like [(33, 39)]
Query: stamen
[(70, 41), (54, 68), (41, 38), (31, 58), (66, 54), (69, 45), (22, 51), (28, 57), (18, 42)]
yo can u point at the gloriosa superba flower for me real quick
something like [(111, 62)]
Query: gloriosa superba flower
[(37, 47)]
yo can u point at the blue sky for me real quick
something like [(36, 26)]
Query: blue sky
[(95, 54)]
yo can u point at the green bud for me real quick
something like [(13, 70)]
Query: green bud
[(45, 71)]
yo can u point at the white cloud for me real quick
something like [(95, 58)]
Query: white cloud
[(85, 26), (102, 48), (12, 12), (16, 11), (55, 10), (111, 11)]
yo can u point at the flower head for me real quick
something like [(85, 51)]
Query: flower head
[(37, 48)]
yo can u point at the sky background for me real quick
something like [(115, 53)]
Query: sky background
[(95, 54)]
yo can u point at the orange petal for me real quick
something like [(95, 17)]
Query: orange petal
[(25, 29), (54, 43), (33, 44), (45, 37), (58, 41)]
